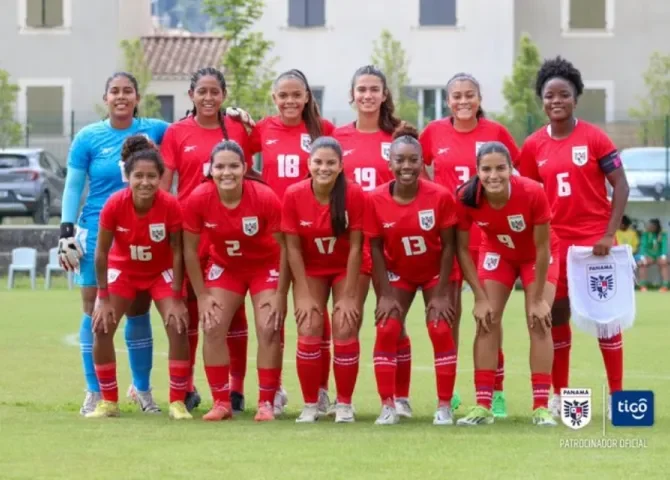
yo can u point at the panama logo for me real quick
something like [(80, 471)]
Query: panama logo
[(516, 223), (157, 232), (427, 219), (491, 261), (386, 151), (601, 281), (576, 407), (305, 142), (580, 155), (250, 226)]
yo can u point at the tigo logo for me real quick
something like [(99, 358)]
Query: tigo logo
[(633, 408)]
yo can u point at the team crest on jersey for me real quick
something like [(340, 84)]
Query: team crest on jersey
[(427, 219), (250, 226), (491, 261), (392, 276), (113, 275), (386, 151), (601, 281), (516, 223), (306, 142), (157, 232), (580, 155), (214, 272), (576, 407), (478, 145)]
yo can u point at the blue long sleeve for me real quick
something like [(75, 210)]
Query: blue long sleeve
[(75, 181)]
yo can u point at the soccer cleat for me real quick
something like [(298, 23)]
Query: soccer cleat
[(220, 411), (192, 400), (146, 402), (388, 416), (310, 414), (455, 401), (477, 415), (280, 401), (178, 411), (498, 405), (543, 418), (90, 402), (324, 405), (403, 408), (555, 406), (104, 409), (443, 416), (344, 413), (265, 412), (237, 402)]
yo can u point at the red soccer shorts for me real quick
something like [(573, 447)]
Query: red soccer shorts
[(127, 285), (494, 267), (252, 280), (456, 272), (404, 284)]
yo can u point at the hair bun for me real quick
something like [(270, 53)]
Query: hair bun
[(136, 143), (406, 130)]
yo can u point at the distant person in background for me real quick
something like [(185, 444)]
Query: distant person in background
[(627, 235), (654, 250)]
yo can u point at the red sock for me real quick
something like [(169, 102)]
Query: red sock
[(325, 351), (541, 383), (560, 371), (193, 320), (179, 373), (268, 383), (445, 359), (612, 351), (403, 373), (484, 380), (347, 354), (238, 341), (500, 372), (385, 358), (106, 374), (218, 377), (308, 362)]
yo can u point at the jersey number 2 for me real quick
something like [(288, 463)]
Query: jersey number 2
[(288, 166)]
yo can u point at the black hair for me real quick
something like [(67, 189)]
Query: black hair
[(559, 68), (310, 113), (406, 134), (466, 77), (388, 122), (195, 78), (471, 191), (338, 203), (625, 221), (232, 146), (657, 223), (132, 80), (139, 147)]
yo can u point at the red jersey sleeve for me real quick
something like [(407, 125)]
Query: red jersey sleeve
[(356, 206), (169, 149), (192, 213), (108, 216), (426, 142), (254, 141), (273, 211), (462, 217), (327, 128), (602, 144), (371, 224), (175, 219), (447, 207), (526, 163), (506, 139), (541, 211), (289, 218)]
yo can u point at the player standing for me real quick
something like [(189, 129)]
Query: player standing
[(186, 149), (95, 156), (139, 249), (241, 216), (450, 146), (573, 159), (411, 228), (513, 213), (322, 219)]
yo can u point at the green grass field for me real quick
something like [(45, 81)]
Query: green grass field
[(43, 436)]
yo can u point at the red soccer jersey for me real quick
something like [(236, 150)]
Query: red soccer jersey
[(304, 216), (241, 238), (285, 151), (187, 147), (141, 243), (572, 178), (411, 232), (509, 231), (366, 156)]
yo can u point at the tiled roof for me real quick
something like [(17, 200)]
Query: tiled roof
[(173, 57)]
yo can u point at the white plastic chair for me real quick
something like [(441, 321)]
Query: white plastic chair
[(54, 266), (23, 260)]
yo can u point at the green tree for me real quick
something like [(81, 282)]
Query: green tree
[(246, 62), (654, 108), (135, 63), (389, 56), (11, 132), (523, 112)]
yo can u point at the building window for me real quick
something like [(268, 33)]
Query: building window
[(45, 16), (437, 13), (432, 105), (167, 107), (592, 17), (306, 13), (596, 104), (317, 92), (44, 106)]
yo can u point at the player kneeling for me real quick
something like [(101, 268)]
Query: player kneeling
[(139, 249), (411, 228), (241, 216), (514, 214)]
